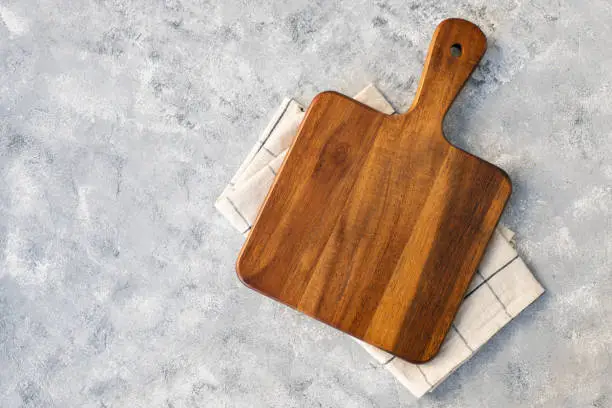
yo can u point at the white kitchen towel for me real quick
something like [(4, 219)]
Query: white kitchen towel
[(502, 287)]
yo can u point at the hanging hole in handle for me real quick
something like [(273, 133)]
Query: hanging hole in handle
[(455, 50)]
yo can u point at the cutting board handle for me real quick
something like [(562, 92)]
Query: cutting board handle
[(456, 47)]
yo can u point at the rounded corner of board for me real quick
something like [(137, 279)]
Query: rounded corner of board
[(506, 181), (240, 268), (420, 358), (321, 96)]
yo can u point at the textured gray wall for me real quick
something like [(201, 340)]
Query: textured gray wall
[(121, 121)]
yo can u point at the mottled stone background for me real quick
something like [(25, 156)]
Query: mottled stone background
[(121, 121)]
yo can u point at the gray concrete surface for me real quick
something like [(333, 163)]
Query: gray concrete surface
[(121, 121)]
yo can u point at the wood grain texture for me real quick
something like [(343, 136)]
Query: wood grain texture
[(375, 224)]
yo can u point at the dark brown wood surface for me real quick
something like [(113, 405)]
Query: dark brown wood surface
[(375, 224)]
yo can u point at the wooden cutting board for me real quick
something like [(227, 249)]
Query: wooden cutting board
[(375, 224)]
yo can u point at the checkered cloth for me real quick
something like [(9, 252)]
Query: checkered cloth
[(502, 287)]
